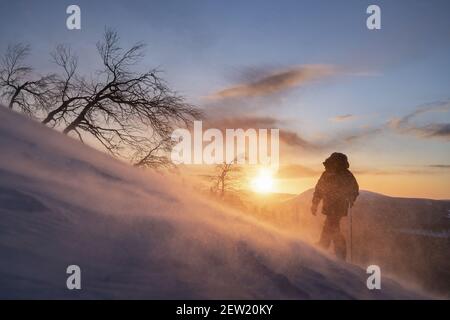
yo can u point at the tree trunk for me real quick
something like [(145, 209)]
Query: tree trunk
[(52, 114), (77, 120), (13, 98)]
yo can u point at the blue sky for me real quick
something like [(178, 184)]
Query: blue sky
[(207, 46)]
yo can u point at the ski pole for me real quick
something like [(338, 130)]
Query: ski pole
[(350, 233)]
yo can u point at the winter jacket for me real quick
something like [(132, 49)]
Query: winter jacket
[(338, 189)]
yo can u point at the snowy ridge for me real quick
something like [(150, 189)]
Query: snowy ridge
[(138, 234), (427, 233)]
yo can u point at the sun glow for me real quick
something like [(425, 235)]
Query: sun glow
[(263, 182)]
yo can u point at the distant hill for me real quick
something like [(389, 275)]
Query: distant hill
[(409, 237)]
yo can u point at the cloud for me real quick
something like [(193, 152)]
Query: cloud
[(406, 125), (403, 125), (394, 172), (296, 171), (439, 166), (276, 82), (293, 171), (340, 140), (289, 137), (245, 122), (344, 117), (358, 135), (406, 170), (292, 138)]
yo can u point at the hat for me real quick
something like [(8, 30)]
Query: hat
[(337, 160)]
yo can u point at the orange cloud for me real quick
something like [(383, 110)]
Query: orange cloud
[(405, 125), (277, 82), (344, 117), (288, 137), (293, 171)]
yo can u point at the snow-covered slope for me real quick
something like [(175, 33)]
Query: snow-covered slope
[(138, 234)]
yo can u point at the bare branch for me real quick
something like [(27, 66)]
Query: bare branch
[(19, 85), (130, 113)]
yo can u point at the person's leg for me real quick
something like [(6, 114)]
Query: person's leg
[(325, 237), (340, 247)]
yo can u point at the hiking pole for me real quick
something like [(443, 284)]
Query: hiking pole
[(350, 233)]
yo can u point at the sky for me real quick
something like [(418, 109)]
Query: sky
[(310, 68)]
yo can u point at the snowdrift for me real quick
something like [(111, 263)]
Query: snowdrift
[(407, 237), (138, 234)]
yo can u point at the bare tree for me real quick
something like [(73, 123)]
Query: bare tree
[(226, 178), (68, 90), (153, 154), (131, 114), (21, 88)]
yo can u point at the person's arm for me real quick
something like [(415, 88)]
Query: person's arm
[(318, 194), (354, 189)]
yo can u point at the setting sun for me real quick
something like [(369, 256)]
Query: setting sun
[(263, 182)]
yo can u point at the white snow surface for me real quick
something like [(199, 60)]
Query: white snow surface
[(138, 234)]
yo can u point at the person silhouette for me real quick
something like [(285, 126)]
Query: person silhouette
[(338, 189)]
